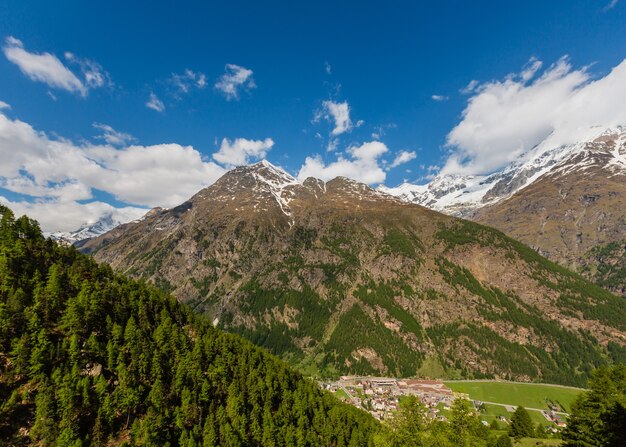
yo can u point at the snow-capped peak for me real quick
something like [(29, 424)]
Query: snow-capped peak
[(103, 225), (88, 230), (460, 195), (273, 176)]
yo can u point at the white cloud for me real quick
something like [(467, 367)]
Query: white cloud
[(240, 151), (201, 80), (4, 105), (59, 171), (43, 67), (328, 68), (470, 87), (403, 157), (188, 79), (94, 75), (155, 103), (505, 119), (362, 164), (47, 68), (233, 80), (439, 98), (611, 5), (381, 131), (333, 144), (73, 214), (530, 69), (338, 113), (112, 136)]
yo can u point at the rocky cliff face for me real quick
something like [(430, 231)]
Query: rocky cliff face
[(338, 277)]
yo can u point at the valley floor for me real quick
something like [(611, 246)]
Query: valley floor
[(548, 405)]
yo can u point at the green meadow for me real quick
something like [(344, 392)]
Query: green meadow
[(529, 395)]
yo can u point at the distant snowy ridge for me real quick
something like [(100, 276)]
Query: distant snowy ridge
[(94, 229), (460, 195)]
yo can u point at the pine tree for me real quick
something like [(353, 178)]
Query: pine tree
[(540, 431), (598, 416), (409, 423), (521, 424), (503, 441)]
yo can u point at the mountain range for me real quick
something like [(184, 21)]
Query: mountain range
[(567, 201), (337, 277)]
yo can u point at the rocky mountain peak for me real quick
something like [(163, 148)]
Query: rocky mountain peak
[(348, 188), (252, 188)]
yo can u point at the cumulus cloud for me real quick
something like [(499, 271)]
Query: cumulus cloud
[(504, 119), (328, 68), (59, 171), (611, 5), (240, 151), (74, 215), (155, 103), (439, 98), (362, 163), (402, 158), (234, 79), (4, 105), (47, 68), (112, 136), (337, 113)]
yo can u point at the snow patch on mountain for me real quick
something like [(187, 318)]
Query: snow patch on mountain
[(460, 195)]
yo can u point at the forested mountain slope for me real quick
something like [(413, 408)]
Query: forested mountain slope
[(90, 358), (339, 278)]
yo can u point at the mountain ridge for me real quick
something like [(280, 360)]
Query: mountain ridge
[(461, 195)]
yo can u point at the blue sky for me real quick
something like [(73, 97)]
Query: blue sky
[(327, 81)]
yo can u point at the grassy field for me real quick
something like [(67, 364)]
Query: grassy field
[(533, 442), (491, 412), (524, 394), (341, 394)]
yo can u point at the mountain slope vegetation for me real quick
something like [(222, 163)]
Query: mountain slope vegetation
[(338, 278), (90, 358), (606, 266)]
